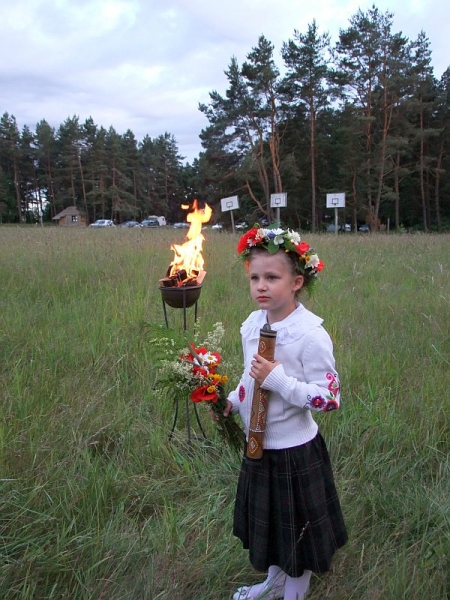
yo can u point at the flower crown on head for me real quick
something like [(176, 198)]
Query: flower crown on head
[(274, 238)]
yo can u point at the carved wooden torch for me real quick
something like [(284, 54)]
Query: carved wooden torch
[(266, 349)]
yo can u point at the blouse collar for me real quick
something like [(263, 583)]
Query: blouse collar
[(292, 328)]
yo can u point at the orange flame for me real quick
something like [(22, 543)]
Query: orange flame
[(188, 256)]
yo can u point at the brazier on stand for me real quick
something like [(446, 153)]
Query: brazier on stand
[(182, 292)]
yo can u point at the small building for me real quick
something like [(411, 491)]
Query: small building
[(71, 217)]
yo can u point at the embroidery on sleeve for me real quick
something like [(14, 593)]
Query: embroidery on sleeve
[(334, 385), (317, 402), (241, 393), (331, 401), (334, 388)]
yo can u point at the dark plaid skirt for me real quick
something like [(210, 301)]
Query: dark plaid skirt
[(287, 510)]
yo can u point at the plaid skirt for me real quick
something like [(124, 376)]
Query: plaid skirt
[(287, 511)]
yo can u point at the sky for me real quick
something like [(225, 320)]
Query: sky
[(146, 65)]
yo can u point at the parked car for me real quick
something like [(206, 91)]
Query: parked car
[(241, 225), (150, 223), (364, 229), (102, 223), (180, 225), (130, 224), (217, 227), (346, 228)]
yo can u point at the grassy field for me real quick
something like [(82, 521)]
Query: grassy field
[(96, 503)]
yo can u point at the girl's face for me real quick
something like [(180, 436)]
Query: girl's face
[(273, 284)]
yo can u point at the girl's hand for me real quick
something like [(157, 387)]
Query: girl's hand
[(228, 408), (225, 413), (261, 367)]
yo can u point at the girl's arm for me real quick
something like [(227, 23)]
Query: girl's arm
[(320, 389)]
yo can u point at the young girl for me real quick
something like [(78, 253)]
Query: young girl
[(287, 512)]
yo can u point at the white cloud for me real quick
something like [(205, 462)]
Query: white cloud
[(145, 65)]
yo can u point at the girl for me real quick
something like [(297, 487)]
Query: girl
[(287, 512)]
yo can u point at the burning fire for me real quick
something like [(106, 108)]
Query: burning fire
[(188, 258)]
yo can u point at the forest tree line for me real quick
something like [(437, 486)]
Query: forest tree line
[(364, 115)]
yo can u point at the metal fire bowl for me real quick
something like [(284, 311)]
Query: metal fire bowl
[(181, 297)]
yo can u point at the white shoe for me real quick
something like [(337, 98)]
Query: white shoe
[(271, 592)]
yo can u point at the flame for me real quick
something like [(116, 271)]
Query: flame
[(188, 256)]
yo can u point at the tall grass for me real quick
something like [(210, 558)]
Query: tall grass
[(95, 500)]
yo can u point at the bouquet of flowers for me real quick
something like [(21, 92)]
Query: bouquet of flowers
[(195, 371)]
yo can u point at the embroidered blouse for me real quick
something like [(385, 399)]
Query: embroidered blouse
[(305, 381)]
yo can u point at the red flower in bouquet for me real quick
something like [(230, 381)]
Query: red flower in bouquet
[(203, 361), (204, 393)]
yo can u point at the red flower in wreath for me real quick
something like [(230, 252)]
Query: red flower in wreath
[(243, 243), (302, 248)]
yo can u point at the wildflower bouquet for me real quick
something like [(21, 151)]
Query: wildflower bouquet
[(195, 371)]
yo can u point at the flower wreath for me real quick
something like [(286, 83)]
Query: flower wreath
[(274, 239)]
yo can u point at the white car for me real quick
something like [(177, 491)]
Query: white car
[(180, 225), (241, 225), (331, 228), (102, 223), (130, 224)]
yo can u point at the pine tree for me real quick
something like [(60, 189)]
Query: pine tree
[(421, 107), (246, 123), (306, 84), (46, 154), (365, 56), (162, 176), (10, 153), (119, 197)]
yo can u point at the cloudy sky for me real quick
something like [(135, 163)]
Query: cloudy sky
[(145, 65)]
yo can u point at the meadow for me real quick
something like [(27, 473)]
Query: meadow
[(97, 503)]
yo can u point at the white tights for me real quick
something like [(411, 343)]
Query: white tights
[(277, 585), (296, 587)]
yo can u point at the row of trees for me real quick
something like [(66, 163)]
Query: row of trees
[(365, 116), (106, 174)]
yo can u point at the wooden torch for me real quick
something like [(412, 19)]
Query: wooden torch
[(266, 349)]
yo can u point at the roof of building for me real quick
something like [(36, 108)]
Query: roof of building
[(69, 211)]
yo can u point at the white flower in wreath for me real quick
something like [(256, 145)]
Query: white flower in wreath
[(262, 234), (293, 236), (313, 261), (278, 236)]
